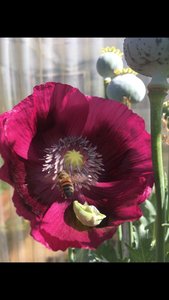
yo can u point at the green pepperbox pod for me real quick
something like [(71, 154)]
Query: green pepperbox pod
[(110, 60), (126, 85), (149, 57)]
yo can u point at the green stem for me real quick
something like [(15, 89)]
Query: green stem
[(106, 82), (167, 203), (156, 102), (130, 233), (70, 252), (168, 190), (120, 241)]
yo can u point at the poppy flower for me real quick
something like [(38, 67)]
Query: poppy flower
[(58, 141)]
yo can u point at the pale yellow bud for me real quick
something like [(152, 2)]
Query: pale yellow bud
[(88, 215)]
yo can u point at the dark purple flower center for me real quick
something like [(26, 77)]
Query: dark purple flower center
[(77, 158)]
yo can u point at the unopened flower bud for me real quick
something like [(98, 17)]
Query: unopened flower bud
[(88, 215)]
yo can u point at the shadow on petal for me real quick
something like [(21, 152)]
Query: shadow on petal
[(71, 219)]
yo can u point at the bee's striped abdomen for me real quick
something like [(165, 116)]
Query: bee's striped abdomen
[(67, 188), (65, 184)]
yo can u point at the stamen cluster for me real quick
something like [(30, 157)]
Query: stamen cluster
[(83, 173)]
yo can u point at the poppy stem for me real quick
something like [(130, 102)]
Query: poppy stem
[(156, 103), (106, 82), (70, 252), (167, 217), (120, 241), (130, 233)]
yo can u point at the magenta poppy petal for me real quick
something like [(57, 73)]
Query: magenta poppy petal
[(60, 235), (126, 214), (32, 185), (146, 193), (21, 209), (50, 104), (34, 221), (35, 233), (113, 199), (123, 144)]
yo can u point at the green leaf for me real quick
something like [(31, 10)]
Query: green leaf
[(167, 257), (84, 255), (143, 253), (150, 212), (105, 253), (150, 215), (125, 260), (108, 252), (165, 181), (165, 224)]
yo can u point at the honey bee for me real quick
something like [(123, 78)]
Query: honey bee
[(65, 184)]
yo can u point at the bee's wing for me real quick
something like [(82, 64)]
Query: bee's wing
[(79, 178)]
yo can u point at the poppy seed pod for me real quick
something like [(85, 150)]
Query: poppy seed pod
[(149, 57), (110, 60), (126, 84)]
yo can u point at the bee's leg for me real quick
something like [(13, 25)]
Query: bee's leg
[(59, 186), (63, 194)]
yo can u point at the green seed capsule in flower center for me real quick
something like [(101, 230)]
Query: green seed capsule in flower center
[(74, 158)]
